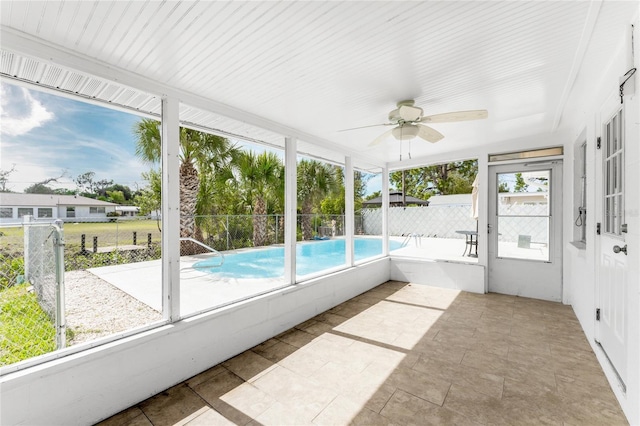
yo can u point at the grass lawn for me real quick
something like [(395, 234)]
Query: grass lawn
[(108, 233), (25, 329)]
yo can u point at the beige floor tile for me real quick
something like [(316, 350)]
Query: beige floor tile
[(205, 375), (525, 410), (368, 417), (530, 358), (319, 328), (130, 417), (216, 387), (341, 411), (408, 355), (276, 352), (456, 337), (442, 351), (406, 409), (285, 414), (485, 362), (303, 362), (297, 338), (248, 365), (473, 405), (495, 343), (294, 390), (419, 384), (177, 405), (210, 417), (243, 403)]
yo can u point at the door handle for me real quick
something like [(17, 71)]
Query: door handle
[(618, 249)]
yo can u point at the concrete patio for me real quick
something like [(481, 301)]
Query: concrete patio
[(403, 354), (201, 290)]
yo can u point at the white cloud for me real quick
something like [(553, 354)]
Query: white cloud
[(19, 121)]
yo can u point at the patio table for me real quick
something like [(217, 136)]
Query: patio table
[(471, 241)]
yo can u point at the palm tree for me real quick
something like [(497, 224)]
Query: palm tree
[(259, 177), (200, 153), (315, 181)]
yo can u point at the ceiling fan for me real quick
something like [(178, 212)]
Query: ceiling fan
[(408, 121)]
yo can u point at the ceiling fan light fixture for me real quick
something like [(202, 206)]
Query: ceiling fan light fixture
[(405, 132)]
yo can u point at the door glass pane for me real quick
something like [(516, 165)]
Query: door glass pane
[(523, 214), (523, 238), (613, 214)]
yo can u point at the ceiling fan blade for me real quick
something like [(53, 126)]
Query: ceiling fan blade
[(449, 117), (365, 127), (409, 113), (429, 134), (380, 138)]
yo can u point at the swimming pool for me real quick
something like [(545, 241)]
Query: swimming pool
[(312, 256)]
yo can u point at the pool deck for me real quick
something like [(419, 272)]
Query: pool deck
[(200, 291)]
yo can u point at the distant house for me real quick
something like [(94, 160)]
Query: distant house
[(127, 211), (69, 208)]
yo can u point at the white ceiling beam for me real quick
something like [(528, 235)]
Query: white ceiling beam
[(585, 38)]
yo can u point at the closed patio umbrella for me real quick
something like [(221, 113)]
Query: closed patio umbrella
[(474, 199)]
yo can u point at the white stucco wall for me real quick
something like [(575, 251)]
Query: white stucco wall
[(580, 264), (92, 385)]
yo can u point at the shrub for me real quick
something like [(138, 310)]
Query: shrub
[(10, 268)]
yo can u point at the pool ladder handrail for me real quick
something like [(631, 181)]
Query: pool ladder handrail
[(417, 237), (211, 249)]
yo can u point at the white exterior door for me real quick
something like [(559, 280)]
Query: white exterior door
[(612, 291), (525, 211)]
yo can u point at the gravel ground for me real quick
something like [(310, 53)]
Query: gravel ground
[(95, 308)]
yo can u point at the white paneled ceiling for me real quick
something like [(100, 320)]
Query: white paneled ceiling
[(318, 67)]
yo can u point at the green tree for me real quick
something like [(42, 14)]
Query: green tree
[(443, 179), (84, 183), (258, 178), (521, 185), (39, 188), (4, 178), (316, 180), (116, 197), (200, 154), (149, 198)]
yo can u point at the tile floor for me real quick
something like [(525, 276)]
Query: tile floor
[(403, 354)]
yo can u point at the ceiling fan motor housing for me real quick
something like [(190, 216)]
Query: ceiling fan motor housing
[(405, 132)]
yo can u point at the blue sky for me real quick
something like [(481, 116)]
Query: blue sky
[(45, 135)]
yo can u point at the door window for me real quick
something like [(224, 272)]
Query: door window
[(524, 214), (613, 176)]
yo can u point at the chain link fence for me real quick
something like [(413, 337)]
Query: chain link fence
[(32, 318)]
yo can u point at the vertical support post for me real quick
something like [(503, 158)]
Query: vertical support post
[(27, 249), (227, 231), (170, 209), (58, 247), (290, 208), (95, 244), (385, 211), (83, 243), (149, 240), (135, 238), (349, 214), (276, 225)]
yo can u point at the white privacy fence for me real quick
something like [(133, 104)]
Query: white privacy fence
[(442, 221), (429, 221)]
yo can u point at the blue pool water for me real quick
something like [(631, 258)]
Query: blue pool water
[(311, 257)]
